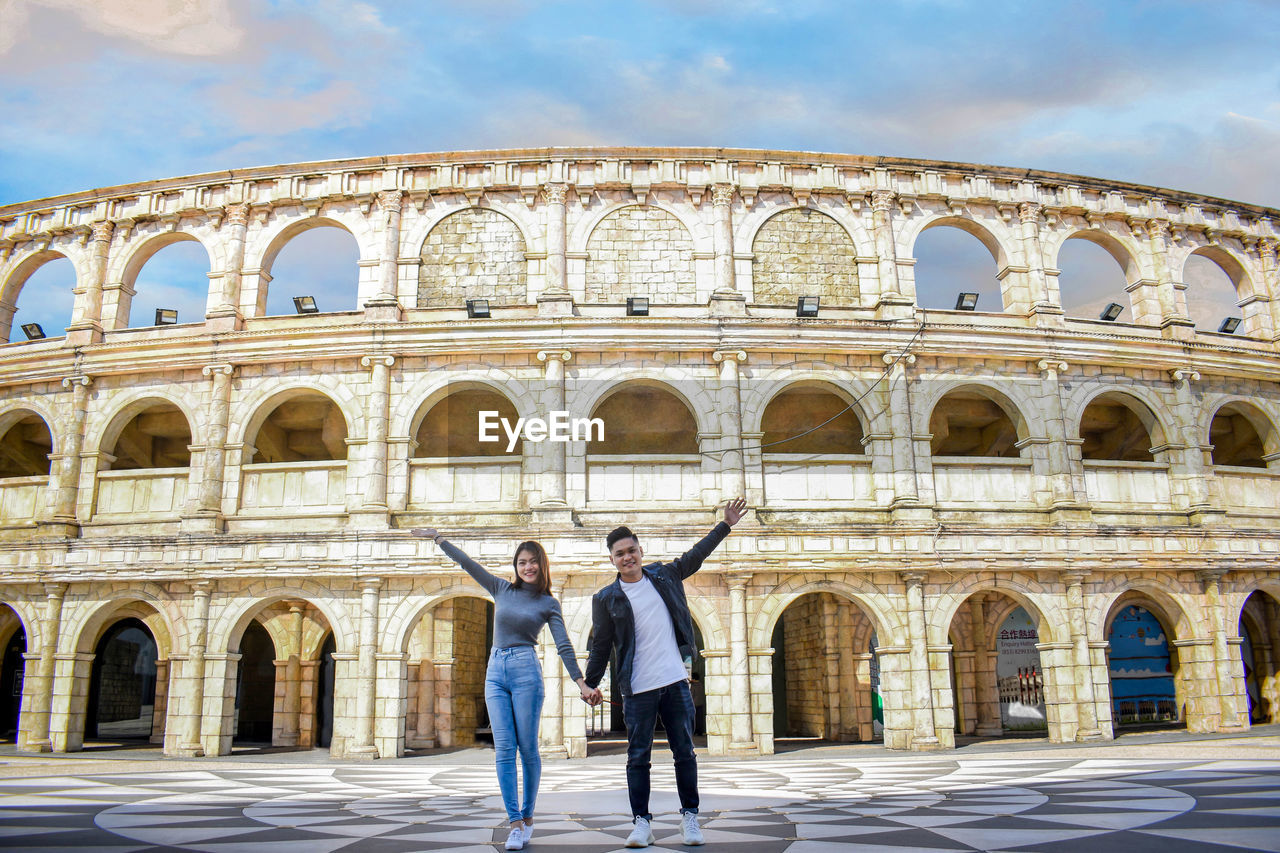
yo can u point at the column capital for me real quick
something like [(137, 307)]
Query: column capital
[(201, 587), (737, 580), (1267, 248), (218, 369), (882, 200), (236, 215), (377, 360), (891, 357), (101, 231), (730, 355), (1051, 367), (556, 193), (1157, 229), (722, 195), (1209, 577), (81, 380), (1074, 577), (55, 589), (914, 577), (550, 355), (1030, 212), (370, 585), (390, 200), (1184, 374)]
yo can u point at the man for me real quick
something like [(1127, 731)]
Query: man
[(643, 614)]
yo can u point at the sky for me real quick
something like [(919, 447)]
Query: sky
[(1177, 93)]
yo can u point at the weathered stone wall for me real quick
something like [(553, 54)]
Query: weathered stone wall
[(640, 251), (803, 252), (806, 681), (473, 254)]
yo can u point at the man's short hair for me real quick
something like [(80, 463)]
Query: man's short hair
[(620, 533)]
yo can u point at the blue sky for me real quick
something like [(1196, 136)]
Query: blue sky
[(1179, 94)]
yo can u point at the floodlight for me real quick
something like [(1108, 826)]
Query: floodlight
[(478, 309), (166, 316), (967, 302), (807, 306), (1229, 325), (1112, 312), (305, 305), (33, 331), (637, 306)]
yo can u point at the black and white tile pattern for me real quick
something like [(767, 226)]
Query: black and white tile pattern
[(796, 805)]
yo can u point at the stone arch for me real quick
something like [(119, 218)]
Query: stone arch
[(265, 247), (1258, 621), (473, 253), (1236, 270), (590, 396), (415, 400), (1241, 416), (993, 428), (1149, 593), (1120, 250), (16, 613), (768, 383), (254, 411), (226, 629), (136, 256), (824, 439), (581, 233), (12, 284), (1174, 624), (124, 414), (865, 596), (1138, 404), (802, 251), (968, 224), (652, 257), (1021, 592), (667, 409), (1124, 253), (28, 452), (477, 384), (157, 610)]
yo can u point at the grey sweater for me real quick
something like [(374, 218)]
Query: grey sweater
[(518, 614)]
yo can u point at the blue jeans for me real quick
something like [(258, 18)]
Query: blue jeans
[(641, 711), (513, 693)]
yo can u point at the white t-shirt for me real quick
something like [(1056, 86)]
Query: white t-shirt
[(657, 660)]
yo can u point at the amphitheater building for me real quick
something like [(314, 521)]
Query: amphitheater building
[(204, 526)]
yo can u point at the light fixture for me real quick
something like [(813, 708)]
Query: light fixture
[(807, 306), (478, 309), (637, 306), (305, 305), (166, 316), (967, 302), (1229, 325), (33, 331), (1112, 312)]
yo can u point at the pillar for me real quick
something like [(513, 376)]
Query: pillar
[(224, 312), (1086, 699), (555, 299), (86, 326), (882, 204), (1190, 469), (1229, 716), (725, 298), (831, 659), (374, 511), (206, 517), (847, 669), (552, 741), (39, 693), (67, 484), (383, 306), (1030, 216), (366, 672), (1063, 500), (1270, 281), (426, 719), (924, 735), (741, 733), (986, 698), (553, 509), (291, 722), (1158, 242), (191, 744), (733, 483), (906, 494)]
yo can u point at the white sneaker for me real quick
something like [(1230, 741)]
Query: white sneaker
[(641, 834), (528, 832), (515, 841), (689, 829)]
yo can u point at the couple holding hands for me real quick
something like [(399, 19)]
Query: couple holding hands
[(644, 616)]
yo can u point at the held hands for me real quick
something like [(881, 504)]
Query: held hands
[(734, 510), (591, 695)]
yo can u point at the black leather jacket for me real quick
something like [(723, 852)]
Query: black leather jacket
[(613, 623)]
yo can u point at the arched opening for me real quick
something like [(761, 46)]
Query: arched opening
[(1259, 628), (255, 687), (640, 250), (1092, 273), (969, 422), (452, 427), (174, 277), (1115, 427), (451, 646), (322, 262), (157, 437), (306, 427), (950, 260), (473, 254), (823, 650), (649, 449), (804, 252), (25, 447), (1212, 291), (1235, 437), (998, 676), (452, 465), (1143, 668), (122, 685), (12, 672), (812, 447), (41, 291), (324, 693)]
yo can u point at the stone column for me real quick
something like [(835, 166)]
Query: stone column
[(67, 483), (831, 659), (725, 298), (1229, 713), (1269, 683), (733, 473), (293, 679), (426, 726), (35, 716), (207, 516), (882, 202), (553, 509), (86, 327), (924, 736), (191, 745), (384, 306), (366, 673), (1086, 701), (375, 509), (1271, 281), (224, 314), (984, 670), (553, 674), (847, 669), (741, 731), (906, 493), (1066, 505), (555, 299), (1158, 241), (1191, 466), (1030, 215)]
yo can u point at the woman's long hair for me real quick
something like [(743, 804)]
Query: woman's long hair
[(543, 586)]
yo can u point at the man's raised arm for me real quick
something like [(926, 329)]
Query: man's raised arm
[(690, 561)]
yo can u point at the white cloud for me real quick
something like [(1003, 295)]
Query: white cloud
[(186, 27)]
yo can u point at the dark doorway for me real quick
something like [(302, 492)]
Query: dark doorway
[(324, 694), (122, 686), (255, 686), (11, 672)]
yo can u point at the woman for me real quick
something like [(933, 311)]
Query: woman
[(513, 689)]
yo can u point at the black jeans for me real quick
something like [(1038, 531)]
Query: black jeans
[(641, 711)]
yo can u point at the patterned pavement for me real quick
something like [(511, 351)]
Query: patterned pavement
[(795, 804)]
